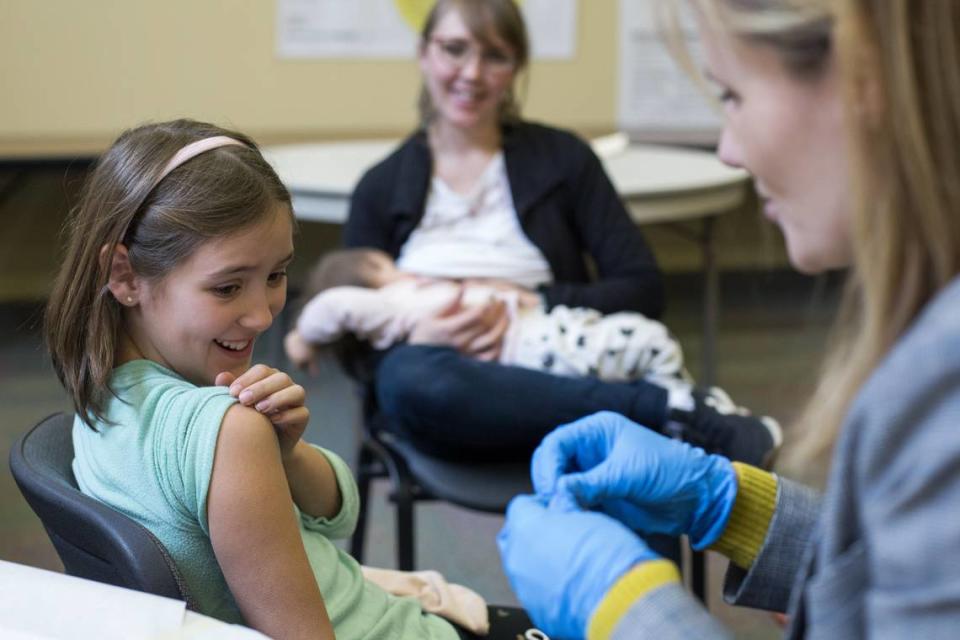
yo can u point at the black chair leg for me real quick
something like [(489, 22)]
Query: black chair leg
[(698, 575), (405, 541), (364, 476)]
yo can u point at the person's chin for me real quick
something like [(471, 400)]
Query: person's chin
[(464, 116), (806, 262)]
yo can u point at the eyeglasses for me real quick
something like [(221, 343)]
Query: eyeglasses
[(458, 52)]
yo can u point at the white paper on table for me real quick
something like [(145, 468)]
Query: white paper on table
[(35, 604), (54, 605), (199, 627)]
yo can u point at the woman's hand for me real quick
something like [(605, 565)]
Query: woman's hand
[(562, 560), (525, 297), (645, 480), (475, 331), (274, 394)]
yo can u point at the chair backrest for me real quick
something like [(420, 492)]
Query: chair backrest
[(93, 540)]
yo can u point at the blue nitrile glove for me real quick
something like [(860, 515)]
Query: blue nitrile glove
[(647, 481), (562, 560)]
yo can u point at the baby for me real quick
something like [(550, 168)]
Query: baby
[(361, 292)]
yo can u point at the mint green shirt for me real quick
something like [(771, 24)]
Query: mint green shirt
[(153, 463)]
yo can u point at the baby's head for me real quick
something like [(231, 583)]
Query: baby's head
[(369, 268), (176, 253)]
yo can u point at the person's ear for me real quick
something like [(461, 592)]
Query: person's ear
[(422, 59), (123, 282), (423, 50), (861, 62)]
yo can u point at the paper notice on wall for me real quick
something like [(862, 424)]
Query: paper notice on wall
[(552, 26), (343, 29), (389, 28), (655, 93)]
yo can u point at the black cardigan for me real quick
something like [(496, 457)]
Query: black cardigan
[(566, 204)]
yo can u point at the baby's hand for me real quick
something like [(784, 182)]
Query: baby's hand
[(274, 394), (301, 353)]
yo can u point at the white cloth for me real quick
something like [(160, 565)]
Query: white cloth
[(476, 235), (564, 341)]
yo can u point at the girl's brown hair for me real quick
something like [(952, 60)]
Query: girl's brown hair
[(217, 193), (482, 17)]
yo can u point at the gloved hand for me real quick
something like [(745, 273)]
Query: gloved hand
[(649, 482), (561, 561)]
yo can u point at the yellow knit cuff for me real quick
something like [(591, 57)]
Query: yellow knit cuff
[(752, 511), (633, 585)]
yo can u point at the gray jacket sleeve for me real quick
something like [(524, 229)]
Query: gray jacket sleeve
[(769, 582), (670, 612)]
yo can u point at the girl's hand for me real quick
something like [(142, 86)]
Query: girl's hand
[(274, 394)]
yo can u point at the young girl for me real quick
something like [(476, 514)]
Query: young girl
[(176, 263)]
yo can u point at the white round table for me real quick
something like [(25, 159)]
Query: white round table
[(658, 184)]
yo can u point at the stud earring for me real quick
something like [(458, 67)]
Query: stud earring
[(129, 299)]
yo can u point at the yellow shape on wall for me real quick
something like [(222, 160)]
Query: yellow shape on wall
[(414, 12)]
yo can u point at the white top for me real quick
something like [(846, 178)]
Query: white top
[(476, 235)]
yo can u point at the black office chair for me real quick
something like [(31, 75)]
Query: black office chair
[(417, 476), (93, 540)]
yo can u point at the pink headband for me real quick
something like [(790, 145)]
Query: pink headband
[(186, 153), (194, 149)]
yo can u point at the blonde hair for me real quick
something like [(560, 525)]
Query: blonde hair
[(160, 221), (899, 60), (799, 30), (501, 17)]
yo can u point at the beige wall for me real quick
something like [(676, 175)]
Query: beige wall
[(76, 72)]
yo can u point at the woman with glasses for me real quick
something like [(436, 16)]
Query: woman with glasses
[(477, 193)]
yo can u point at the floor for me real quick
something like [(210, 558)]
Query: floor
[(772, 330)]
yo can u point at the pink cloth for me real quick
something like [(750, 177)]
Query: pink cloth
[(454, 602)]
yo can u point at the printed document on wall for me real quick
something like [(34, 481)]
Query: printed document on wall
[(389, 28), (655, 93)]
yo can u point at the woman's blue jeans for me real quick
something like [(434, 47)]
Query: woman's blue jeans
[(454, 405)]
